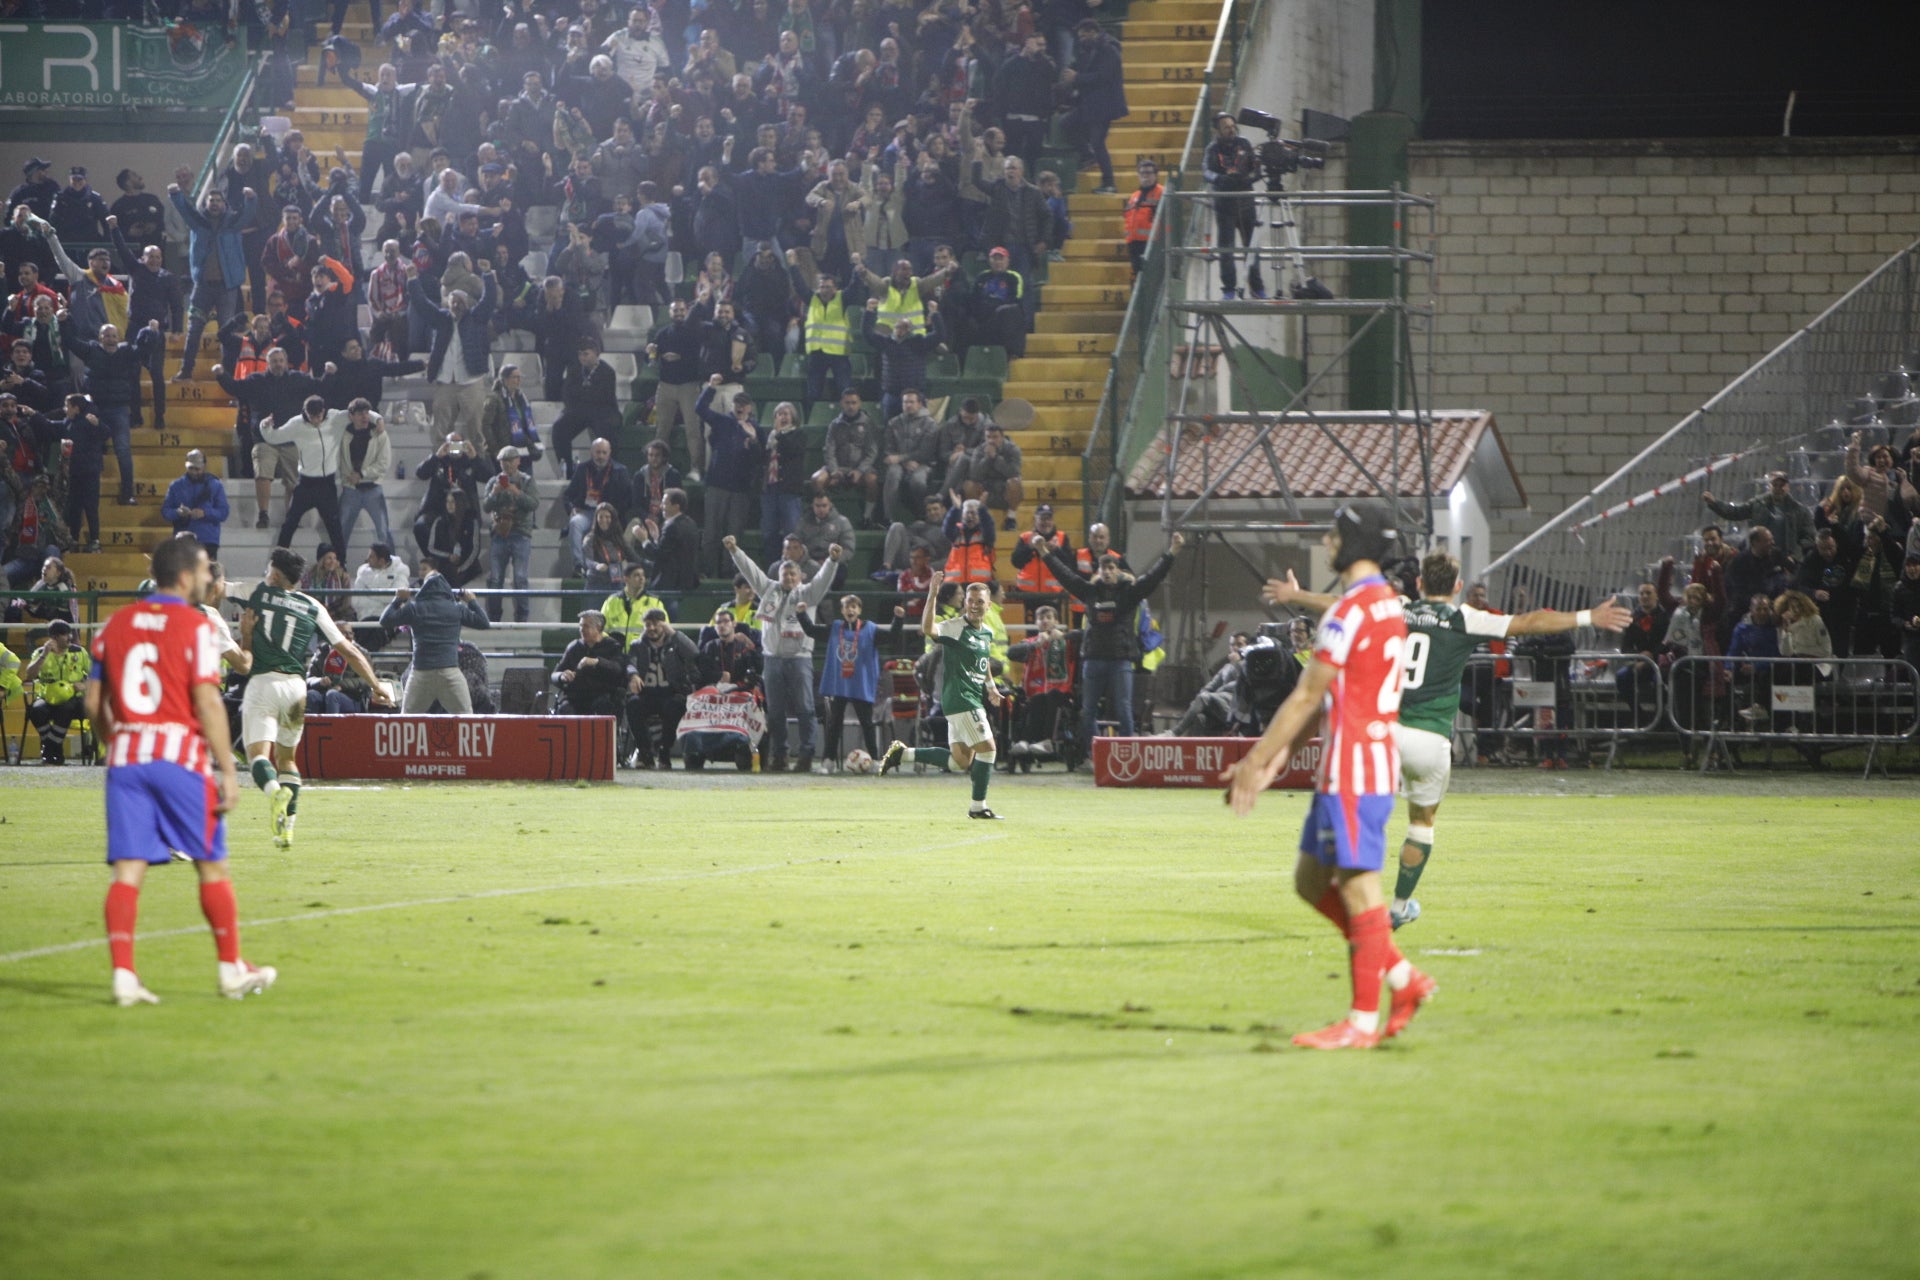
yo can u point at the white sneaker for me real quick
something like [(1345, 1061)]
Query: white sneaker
[(178, 856), (1044, 747), (240, 979), (128, 992), (1019, 749)]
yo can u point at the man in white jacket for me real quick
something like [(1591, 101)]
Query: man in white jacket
[(637, 51), (316, 433), (788, 673), (366, 455)]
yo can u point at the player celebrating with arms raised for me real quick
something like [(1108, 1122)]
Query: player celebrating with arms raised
[(1353, 680), (277, 628), (155, 701), (966, 690), (1441, 636)]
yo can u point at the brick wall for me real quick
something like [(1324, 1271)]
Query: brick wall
[(1592, 294)]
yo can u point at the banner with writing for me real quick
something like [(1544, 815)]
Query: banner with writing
[(110, 65)]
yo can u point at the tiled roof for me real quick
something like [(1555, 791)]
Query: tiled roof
[(1316, 468)]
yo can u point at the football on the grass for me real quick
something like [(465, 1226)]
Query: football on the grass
[(858, 761)]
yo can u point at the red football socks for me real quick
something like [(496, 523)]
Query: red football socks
[(223, 914), (1372, 954), (1334, 908), (123, 909)]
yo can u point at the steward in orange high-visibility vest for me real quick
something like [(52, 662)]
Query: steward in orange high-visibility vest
[(969, 531)]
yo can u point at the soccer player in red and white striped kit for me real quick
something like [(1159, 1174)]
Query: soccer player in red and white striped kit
[(1351, 688), (154, 698)]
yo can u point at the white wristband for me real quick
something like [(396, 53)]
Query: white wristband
[(1584, 618)]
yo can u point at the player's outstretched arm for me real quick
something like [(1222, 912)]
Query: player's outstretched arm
[(248, 621), (357, 659), (212, 713), (933, 598), (1607, 616), (1256, 770), (1288, 591)]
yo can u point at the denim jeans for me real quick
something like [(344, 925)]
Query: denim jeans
[(1111, 678), (779, 516), (373, 501), (517, 548), (819, 366), (789, 684), (207, 300), (119, 421)]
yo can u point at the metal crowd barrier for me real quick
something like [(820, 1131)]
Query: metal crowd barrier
[(1805, 703), (1554, 705)]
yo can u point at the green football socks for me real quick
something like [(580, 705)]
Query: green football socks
[(265, 776), (981, 771), (928, 755)]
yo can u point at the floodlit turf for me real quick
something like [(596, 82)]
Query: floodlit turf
[(761, 1028)]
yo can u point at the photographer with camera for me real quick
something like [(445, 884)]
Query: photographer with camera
[(1231, 166), (1275, 158)]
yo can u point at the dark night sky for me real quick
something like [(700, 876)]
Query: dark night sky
[(1633, 68)]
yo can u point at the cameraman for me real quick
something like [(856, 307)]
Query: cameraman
[(1232, 166)]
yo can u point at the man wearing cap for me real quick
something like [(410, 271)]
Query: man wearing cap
[(1789, 521), (512, 498), (38, 189), (79, 212), (196, 503), (1000, 304), (1030, 570), (58, 672), (1231, 166)]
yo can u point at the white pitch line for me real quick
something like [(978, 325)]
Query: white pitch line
[(84, 943)]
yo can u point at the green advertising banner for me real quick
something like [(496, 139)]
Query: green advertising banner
[(82, 65)]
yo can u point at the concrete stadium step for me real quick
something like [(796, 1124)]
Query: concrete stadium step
[(1158, 94), (1195, 34), (1148, 50), (151, 466), (1080, 322), (1152, 136), (1062, 274), (1054, 467), (1038, 368), (127, 563), (1097, 297), (1041, 393), (1193, 11), (1092, 249), (1070, 344), (1051, 446)]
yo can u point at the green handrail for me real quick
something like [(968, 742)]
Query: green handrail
[(229, 126), (1119, 404)]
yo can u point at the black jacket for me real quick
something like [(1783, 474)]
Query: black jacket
[(677, 657), (155, 295), (673, 559), (364, 380), (275, 396), (113, 377), (683, 339), (615, 487), (594, 390), (606, 678), (1112, 631)]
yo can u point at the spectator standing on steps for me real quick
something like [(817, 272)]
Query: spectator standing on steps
[(1112, 642), (676, 349), (1790, 522), (513, 497), (731, 480), (460, 367), (196, 503), (590, 404), (1142, 205), (317, 433), (113, 383), (1230, 165), (155, 299), (789, 649), (1099, 83), (366, 455), (435, 615)]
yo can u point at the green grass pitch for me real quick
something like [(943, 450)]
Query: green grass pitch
[(779, 1028)]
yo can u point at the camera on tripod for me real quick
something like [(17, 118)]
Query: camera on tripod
[(1280, 156)]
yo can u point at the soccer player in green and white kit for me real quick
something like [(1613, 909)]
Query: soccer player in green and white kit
[(966, 690), (277, 627), (1441, 636)]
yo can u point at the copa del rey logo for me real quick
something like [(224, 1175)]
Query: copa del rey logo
[(1198, 761), (433, 736)]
